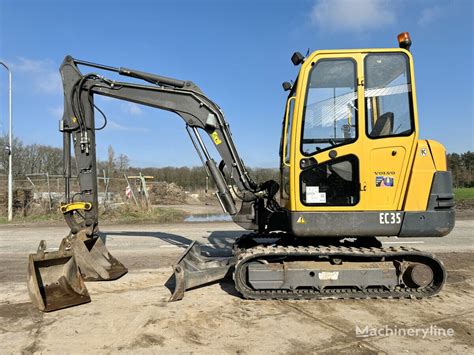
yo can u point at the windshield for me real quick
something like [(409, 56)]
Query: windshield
[(330, 117)]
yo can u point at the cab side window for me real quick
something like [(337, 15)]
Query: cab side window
[(388, 95), (291, 108)]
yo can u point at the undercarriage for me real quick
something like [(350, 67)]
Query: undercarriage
[(275, 266)]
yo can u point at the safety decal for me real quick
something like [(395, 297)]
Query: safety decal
[(215, 138), (300, 220), (384, 181)]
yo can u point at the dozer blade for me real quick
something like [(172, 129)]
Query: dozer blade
[(54, 280), (93, 258), (194, 269)]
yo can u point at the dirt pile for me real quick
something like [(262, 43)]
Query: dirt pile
[(163, 193), (465, 209), (465, 205)]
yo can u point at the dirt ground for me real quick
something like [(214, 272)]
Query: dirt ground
[(132, 314)]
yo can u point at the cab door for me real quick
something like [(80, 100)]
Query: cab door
[(285, 150), (389, 127), (329, 144)]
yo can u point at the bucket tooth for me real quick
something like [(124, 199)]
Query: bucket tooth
[(194, 270), (54, 280), (93, 258)]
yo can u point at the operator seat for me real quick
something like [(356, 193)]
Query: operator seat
[(383, 126)]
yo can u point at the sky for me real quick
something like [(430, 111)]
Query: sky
[(238, 52)]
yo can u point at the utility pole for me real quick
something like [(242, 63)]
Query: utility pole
[(9, 147)]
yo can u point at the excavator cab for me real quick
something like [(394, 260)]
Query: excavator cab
[(351, 154)]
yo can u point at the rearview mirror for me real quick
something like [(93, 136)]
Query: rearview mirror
[(286, 86)]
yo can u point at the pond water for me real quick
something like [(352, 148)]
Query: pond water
[(209, 217)]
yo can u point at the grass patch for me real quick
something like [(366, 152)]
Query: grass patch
[(130, 214), (463, 193), (464, 197), (120, 214), (45, 218)]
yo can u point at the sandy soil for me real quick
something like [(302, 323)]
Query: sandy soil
[(132, 314), (196, 209)]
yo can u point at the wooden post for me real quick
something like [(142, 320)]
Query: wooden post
[(145, 191), (106, 182), (49, 192)]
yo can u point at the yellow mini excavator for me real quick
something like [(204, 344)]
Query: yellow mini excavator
[(352, 169)]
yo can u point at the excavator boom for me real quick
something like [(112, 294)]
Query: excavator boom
[(181, 97), (83, 247)]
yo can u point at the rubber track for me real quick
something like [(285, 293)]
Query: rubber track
[(246, 255)]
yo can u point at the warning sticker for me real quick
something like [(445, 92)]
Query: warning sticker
[(215, 138), (314, 196), (300, 220)]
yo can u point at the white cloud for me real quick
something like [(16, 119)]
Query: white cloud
[(56, 112), (30, 65), (118, 127), (132, 109), (429, 15), (353, 15), (50, 83), (43, 74)]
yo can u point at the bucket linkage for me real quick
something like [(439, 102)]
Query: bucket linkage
[(93, 258)]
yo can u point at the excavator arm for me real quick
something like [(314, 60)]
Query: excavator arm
[(181, 97), (56, 279)]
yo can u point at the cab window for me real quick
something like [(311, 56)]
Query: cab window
[(286, 129), (289, 124), (330, 117), (388, 99), (333, 183)]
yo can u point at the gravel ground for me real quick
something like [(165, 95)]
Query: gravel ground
[(132, 314)]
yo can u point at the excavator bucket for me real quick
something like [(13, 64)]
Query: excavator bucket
[(194, 269), (93, 258), (54, 280)]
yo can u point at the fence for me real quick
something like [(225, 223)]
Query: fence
[(44, 192)]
